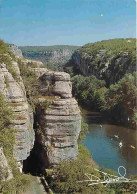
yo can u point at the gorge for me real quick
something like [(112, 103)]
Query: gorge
[(47, 120), (57, 112), (54, 57)]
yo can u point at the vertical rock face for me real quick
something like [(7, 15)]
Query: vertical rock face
[(57, 113), (14, 92), (111, 69), (59, 121)]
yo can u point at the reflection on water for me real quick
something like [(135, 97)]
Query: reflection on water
[(103, 141)]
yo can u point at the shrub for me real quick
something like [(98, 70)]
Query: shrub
[(6, 57), (31, 83), (120, 100), (85, 88), (66, 181)]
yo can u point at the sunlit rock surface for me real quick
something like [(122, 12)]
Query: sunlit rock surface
[(60, 122), (14, 92)]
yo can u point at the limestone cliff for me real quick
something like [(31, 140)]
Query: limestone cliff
[(108, 60), (60, 122), (14, 92)]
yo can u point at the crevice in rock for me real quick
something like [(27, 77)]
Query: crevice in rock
[(33, 164)]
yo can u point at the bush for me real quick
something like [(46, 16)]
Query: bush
[(6, 57), (66, 181), (120, 100), (85, 88)]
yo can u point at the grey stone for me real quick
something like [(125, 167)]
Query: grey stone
[(60, 122)]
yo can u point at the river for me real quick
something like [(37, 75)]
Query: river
[(103, 142)]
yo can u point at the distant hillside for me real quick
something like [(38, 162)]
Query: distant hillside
[(53, 56), (108, 59)]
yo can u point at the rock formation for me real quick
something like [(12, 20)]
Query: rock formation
[(60, 122), (14, 93), (57, 113), (107, 64), (112, 69), (13, 48)]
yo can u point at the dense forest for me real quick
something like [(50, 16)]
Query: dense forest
[(107, 60)]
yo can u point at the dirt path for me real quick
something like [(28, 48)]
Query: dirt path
[(36, 187)]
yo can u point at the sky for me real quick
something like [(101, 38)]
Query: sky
[(66, 22)]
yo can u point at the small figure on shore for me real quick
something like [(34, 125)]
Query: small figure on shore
[(100, 126), (116, 136), (120, 144)]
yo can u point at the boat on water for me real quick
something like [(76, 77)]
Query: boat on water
[(133, 147)]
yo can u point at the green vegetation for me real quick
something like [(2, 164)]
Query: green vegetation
[(62, 180), (118, 102), (3, 48), (45, 104), (6, 57), (30, 81), (7, 141), (85, 89), (65, 181), (45, 54), (113, 46), (109, 89), (108, 60), (37, 49)]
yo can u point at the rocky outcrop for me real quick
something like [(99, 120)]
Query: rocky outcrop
[(14, 92), (60, 120), (111, 69), (57, 113), (13, 48), (107, 64)]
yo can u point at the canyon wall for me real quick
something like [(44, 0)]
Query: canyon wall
[(55, 57), (57, 113), (14, 92), (108, 60)]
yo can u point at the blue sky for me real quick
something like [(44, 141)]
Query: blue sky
[(67, 22)]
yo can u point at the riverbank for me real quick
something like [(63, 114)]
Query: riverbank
[(103, 142)]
